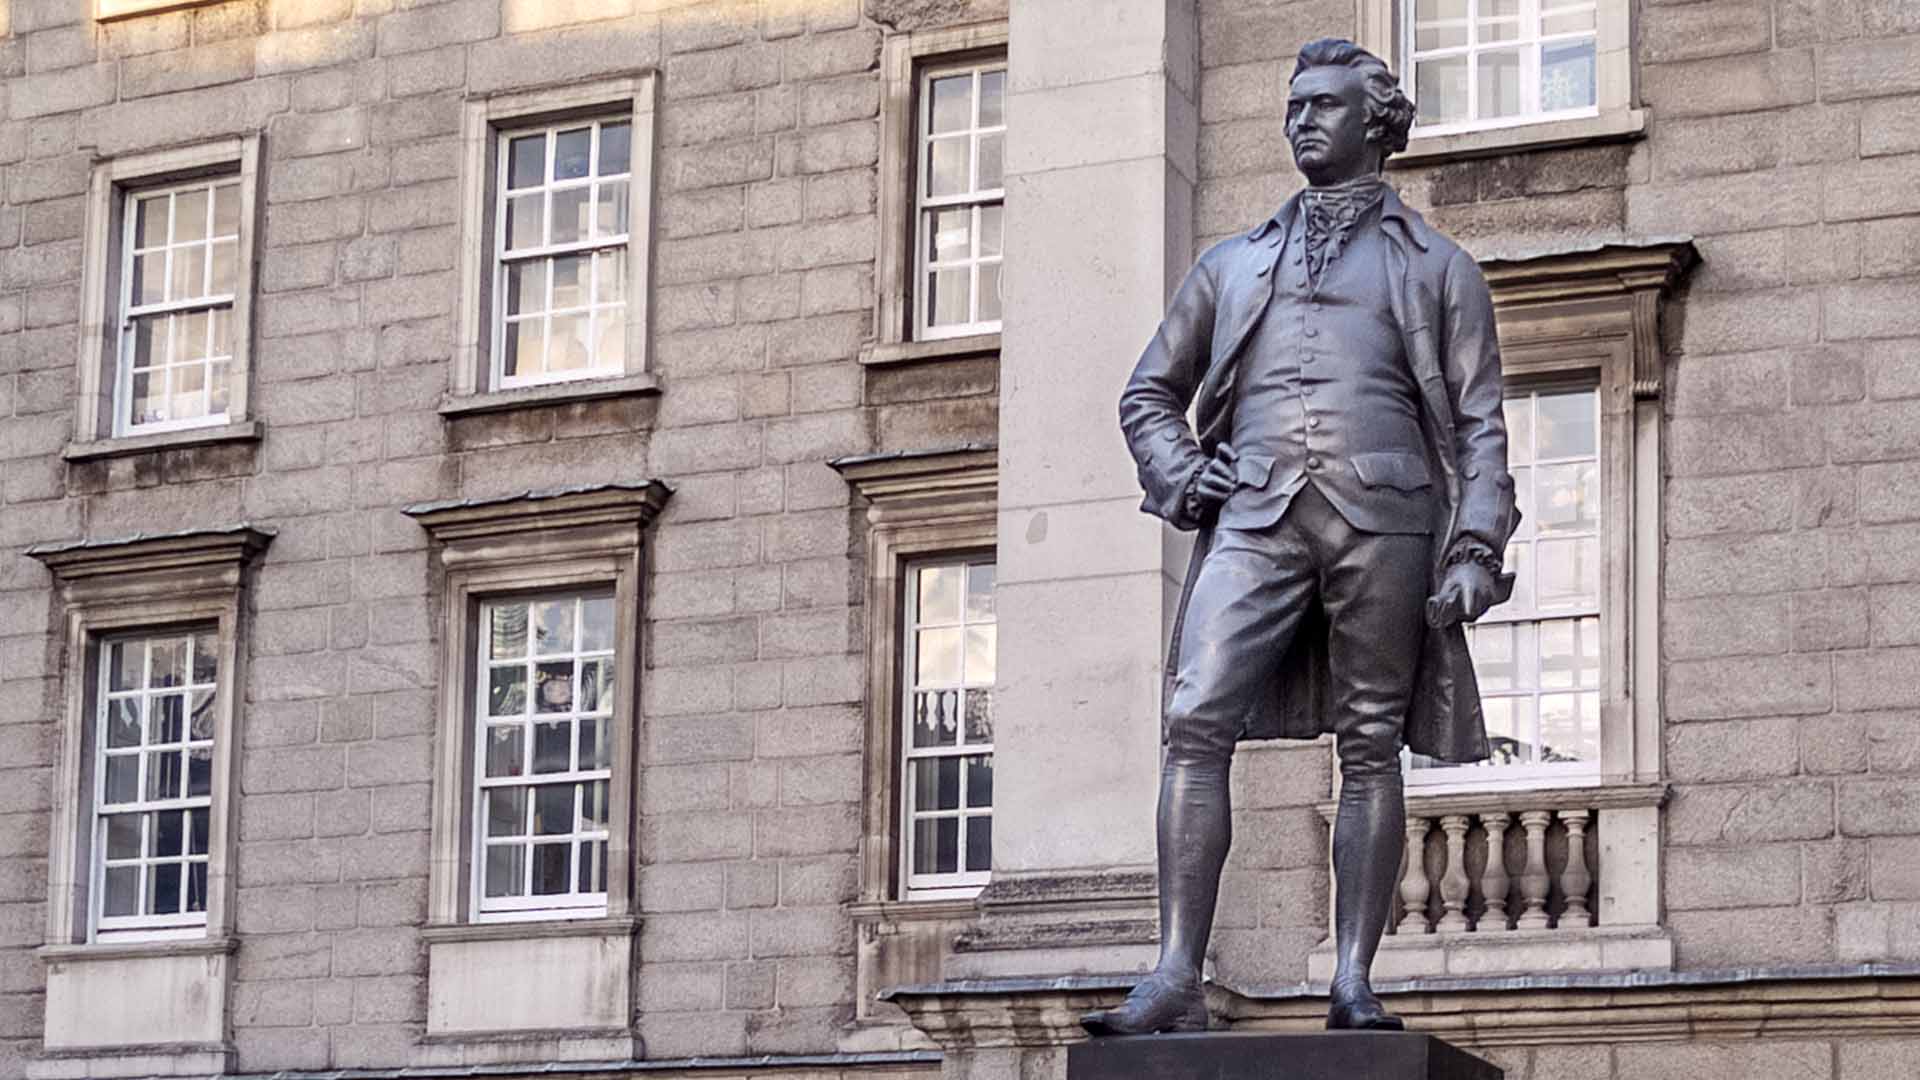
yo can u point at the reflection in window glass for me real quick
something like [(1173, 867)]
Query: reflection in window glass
[(543, 755), (959, 196), (154, 780), (1483, 63), (1537, 656), (561, 252), (949, 674)]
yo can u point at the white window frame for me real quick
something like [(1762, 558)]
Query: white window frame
[(591, 248), (573, 904), (103, 424), (477, 383), (148, 927), (1382, 28), (1531, 19), (976, 199), (962, 882), (124, 424), (1535, 775)]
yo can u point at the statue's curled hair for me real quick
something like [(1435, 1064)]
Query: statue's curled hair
[(1389, 112)]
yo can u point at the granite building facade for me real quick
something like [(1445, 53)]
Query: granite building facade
[(592, 534)]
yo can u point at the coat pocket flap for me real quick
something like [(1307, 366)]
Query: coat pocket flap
[(1408, 472), (1252, 470)]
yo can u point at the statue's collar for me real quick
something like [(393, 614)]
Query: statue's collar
[(1391, 209)]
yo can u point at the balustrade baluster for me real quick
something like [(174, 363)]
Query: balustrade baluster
[(1453, 882), (1494, 880), (1576, 878), (1414, 887), (1534, 882)]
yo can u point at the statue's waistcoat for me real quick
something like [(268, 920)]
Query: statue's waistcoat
[(1326, 396)]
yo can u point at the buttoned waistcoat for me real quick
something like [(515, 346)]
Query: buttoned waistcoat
[(1444, 314)]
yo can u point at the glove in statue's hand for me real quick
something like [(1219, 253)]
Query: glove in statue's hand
[(1465, 594), (1215, 481)]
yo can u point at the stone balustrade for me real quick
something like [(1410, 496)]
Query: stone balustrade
[(1498, 870)]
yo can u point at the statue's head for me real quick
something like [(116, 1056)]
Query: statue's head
[(1345, 111)]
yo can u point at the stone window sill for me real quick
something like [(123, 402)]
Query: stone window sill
[(132, 950), (914, 352), (244, 431), (602, 926), (940, 909), (563, 393), (1613, 126)]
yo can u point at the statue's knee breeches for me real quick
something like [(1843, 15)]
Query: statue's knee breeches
[(1200, 726), (1369, 746)]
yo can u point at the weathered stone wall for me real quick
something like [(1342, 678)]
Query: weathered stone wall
[(751, 718), (1782, 137)]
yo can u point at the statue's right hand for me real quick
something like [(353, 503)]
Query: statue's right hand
[(1217, 478)]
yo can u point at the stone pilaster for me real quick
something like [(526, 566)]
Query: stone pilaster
[(1100, 184)]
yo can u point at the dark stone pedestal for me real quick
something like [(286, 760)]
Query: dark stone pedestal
[(1226, 1055)]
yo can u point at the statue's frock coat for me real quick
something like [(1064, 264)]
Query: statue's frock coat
[(1440, 301)]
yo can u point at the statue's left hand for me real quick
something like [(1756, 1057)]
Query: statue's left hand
[(1465, 594)]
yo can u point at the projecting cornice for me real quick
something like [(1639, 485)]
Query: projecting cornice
[(900, 482), (187, 560), (587, 520)]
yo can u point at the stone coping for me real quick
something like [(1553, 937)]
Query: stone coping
[(1427, 984), (866, 1059)]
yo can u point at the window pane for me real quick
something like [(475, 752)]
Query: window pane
[(169, 833), (552, 747), (936, 784), (508, 637), (570, 214), (980, 642), (188, 273), (122, 891), (199, 772), (163, 775), (1495, 657), (149, 397), (593, 805), (593, 867), (991, 222), (573, 153), (980, 716), (1496, 30), (527, 161), (980, 781), (1519, 416), (552, 627), (526, 286), (523, 221), (190, 215), (123, 779), (506, 870), (989, 292), (948, 166), (226, 263), (616, 142), (1509, 729), (505, 751), (993, 88), (553, 686), (226, 210), (596, 686), (507, 691), (507, 812), (200, 716), (1567, 498), (595, 753), (1569, 727), (952, 103), (979, 844), (610, 205), (610, 277), (947, 298), (206, 658), (196, 887), (1500, 83), (123, 836), (526, 348), (949, 235), (1567, 75), (936, 848), (553, 809), (610, 333), (149, 278), (980, 578), (936, 720), (163, 888), (1567, 425), (1568, 572), (939, 593), (939, 659), (568, 347), (198, 822), (1440, 90), (123, 722), (189, 397), (551, 863), (569, 282), (150, 221), (992, 162), (166, 719), (126, 665)]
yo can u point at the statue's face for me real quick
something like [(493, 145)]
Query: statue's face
[(1327, 124)]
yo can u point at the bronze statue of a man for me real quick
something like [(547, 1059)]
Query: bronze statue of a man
[(1349, 481)]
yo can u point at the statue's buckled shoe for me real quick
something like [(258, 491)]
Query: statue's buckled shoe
[(1356, 1009), (1156, 1005)]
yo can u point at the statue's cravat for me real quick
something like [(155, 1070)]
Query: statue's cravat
[(1331, 213)]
